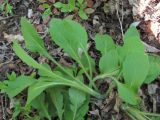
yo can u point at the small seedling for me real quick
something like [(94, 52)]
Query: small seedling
[(6, 7), (79, 5), (61, 92), (47, 10)]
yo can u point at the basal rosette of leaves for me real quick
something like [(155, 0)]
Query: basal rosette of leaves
[(61, 92)]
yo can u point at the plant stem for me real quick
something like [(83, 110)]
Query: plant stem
[(102, 76), (75, 84), (89, 62)]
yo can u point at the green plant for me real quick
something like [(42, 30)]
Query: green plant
[(46, 7), (61, 91), (72, 5), (6, 7), (47, 11)]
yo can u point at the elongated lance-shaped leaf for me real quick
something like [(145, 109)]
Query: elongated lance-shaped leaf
[(24, 56), (131, 33), (135, 69), (104, 43), (71, 5), (132, 43), (69, 35), (33, 41), (31, 62), (42, 107), (57, 99), (109, 62), (77, 98), (72, 37), (127, 94), (154, 68)]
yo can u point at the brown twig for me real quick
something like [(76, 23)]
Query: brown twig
[(120, 20)]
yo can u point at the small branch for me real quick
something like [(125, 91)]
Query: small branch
[(3, 107), (120, 20)]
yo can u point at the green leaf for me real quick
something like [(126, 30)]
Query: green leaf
[(42, 107), (82, 14), (129, 47), (18, 85), (42, 72), (132, 43), (131, 33), (24, 56), (2, 86), (17, 110), (154, 69), (63, 81), (80, 1), (30, 61), (82, 111), (57, 99), (104, 43), (71, 5), (58, 5), (154, 72), (46, 13), (84, 61), (57, 79), (127, 94), (68, 114), (9, 8), (77, 99), (109, 62), (66, 7), (71, 36), (46, 6), (11, 76), (135, 69), (44, 83), (33, 41)]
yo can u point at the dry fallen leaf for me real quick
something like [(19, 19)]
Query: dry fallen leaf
[(150, 49), (90, 3), (10, 38)]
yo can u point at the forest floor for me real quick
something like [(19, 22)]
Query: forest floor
[(112, 17)]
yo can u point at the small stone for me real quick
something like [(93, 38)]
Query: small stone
[(30, 13), (89, 10), (152, 89), (95, 20)]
